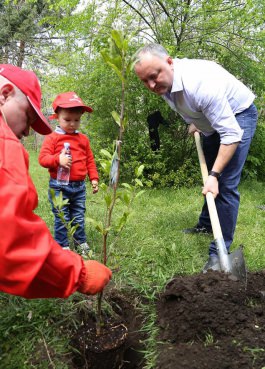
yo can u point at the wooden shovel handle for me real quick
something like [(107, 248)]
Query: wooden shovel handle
[(217, 232)]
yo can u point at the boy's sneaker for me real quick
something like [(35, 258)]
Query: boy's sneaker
[(84, 248), (197, 230)]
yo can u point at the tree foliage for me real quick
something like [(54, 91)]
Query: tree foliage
[(63, 40), (19, 27)]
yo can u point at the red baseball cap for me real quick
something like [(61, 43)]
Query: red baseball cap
[(68, 100), (28, 83)]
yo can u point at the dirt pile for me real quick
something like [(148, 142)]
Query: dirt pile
[(208, 321)]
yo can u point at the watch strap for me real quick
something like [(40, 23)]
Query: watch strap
[(214, 174)]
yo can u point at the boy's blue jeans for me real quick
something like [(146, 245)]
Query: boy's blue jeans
[(227, 201), (75, 192)]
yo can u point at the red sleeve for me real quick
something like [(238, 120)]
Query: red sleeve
[(91, 165), (32, 264), (48, 157)]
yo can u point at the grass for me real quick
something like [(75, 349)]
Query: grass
[(151, 250)]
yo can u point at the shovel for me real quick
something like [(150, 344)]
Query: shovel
[(232, 263)]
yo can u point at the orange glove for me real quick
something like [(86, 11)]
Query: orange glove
[(96, 278)]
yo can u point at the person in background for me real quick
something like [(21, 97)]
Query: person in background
[(153, 120), (32, 263), (220, 107), (68, 110)]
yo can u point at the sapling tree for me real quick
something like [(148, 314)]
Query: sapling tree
[(116, 56)]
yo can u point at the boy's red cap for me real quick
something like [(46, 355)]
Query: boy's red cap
[(28, 83), (68, 100)]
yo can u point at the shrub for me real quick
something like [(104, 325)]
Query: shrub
[(254, 167)]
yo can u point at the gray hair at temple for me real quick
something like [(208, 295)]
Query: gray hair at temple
[(153, 49)]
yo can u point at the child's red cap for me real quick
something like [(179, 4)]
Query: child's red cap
[(28, 83), (68, 100)]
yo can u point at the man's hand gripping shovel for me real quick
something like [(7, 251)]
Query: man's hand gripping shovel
[(232, 263)]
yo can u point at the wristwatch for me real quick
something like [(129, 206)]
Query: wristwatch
[(214, 174)]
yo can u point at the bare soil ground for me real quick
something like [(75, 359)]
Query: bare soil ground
[(208, 321)]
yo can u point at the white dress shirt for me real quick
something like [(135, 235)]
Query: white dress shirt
[(208, 96)]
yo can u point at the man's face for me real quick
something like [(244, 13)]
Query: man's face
[(17, 112), (156, 73)]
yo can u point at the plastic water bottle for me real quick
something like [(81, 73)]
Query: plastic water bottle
[(63, 174)]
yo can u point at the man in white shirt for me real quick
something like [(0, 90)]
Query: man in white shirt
[(215, 103)]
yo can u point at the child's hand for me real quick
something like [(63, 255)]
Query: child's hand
[(65, 160), (94, 184)]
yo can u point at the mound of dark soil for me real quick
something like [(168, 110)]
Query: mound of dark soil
[(208, 321)]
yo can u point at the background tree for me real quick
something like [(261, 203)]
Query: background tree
[(231, 33), (21, 31)]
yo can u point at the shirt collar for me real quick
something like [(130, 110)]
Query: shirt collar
[(177, 80), (59, 130)]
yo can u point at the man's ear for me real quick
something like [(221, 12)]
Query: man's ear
[(169, 60), (6, 90)]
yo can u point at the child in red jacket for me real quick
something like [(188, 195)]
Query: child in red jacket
[(32, 264), (68, 109)]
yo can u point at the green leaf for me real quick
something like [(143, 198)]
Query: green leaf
[(103, 187), (140, 183), (97, 225), (117, 61), (105, 165), (139, 170), (58, 201), (125, 122), (116, 69), (125, 45), (122, 221), (127, 185), (105, 55), (126, 198), (108, 199), (116, 117), (106, 153), (140, 193), (73, 229), (118, 38)]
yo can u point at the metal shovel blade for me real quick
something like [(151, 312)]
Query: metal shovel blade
[(238, 266), (234, 264)]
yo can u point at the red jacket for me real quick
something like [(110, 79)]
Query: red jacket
[(32, 264), (83, 162)]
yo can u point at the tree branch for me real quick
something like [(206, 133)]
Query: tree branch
[(140, 14)]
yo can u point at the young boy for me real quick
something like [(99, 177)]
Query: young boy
[(68, 109), (32, 264)]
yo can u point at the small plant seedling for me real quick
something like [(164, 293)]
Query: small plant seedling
[(116, 56), (209, 339)]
